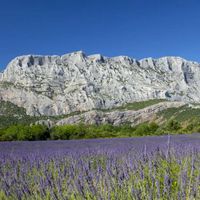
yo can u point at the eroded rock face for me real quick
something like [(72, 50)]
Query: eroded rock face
[(120, 117), (57, 85)]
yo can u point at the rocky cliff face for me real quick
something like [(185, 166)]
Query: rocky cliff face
[(57, 85)]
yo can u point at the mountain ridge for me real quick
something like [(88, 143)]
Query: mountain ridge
[(57, 85)]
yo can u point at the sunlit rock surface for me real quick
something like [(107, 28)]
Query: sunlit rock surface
[(57, 85)]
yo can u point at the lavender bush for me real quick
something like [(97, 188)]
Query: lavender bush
[(165, 167)]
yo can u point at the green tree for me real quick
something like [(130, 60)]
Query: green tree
[(67, 132)]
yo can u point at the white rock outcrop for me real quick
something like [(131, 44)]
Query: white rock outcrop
[(58, 85)]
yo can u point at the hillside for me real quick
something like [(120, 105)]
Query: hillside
[(152, 117), (136, 113)]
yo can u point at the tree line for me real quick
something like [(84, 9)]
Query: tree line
[(83, 131)]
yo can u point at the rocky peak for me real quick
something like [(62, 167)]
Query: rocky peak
[(97, 58), (75, 57)]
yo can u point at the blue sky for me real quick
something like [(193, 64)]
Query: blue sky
[(137, 28)]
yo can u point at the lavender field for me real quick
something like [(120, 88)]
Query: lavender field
[(164, 167)]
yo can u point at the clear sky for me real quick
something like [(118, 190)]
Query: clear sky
[(137, 28)]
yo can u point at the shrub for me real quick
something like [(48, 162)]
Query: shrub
[(153, 127), (142, 129), (173, 125)]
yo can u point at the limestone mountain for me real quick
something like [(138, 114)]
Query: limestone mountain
[(59, 85)]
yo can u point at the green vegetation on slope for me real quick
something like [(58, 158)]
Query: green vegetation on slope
[(181, 114), (136, 105), (10, 114), (8, 108), (173, 120), (141, 104)]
